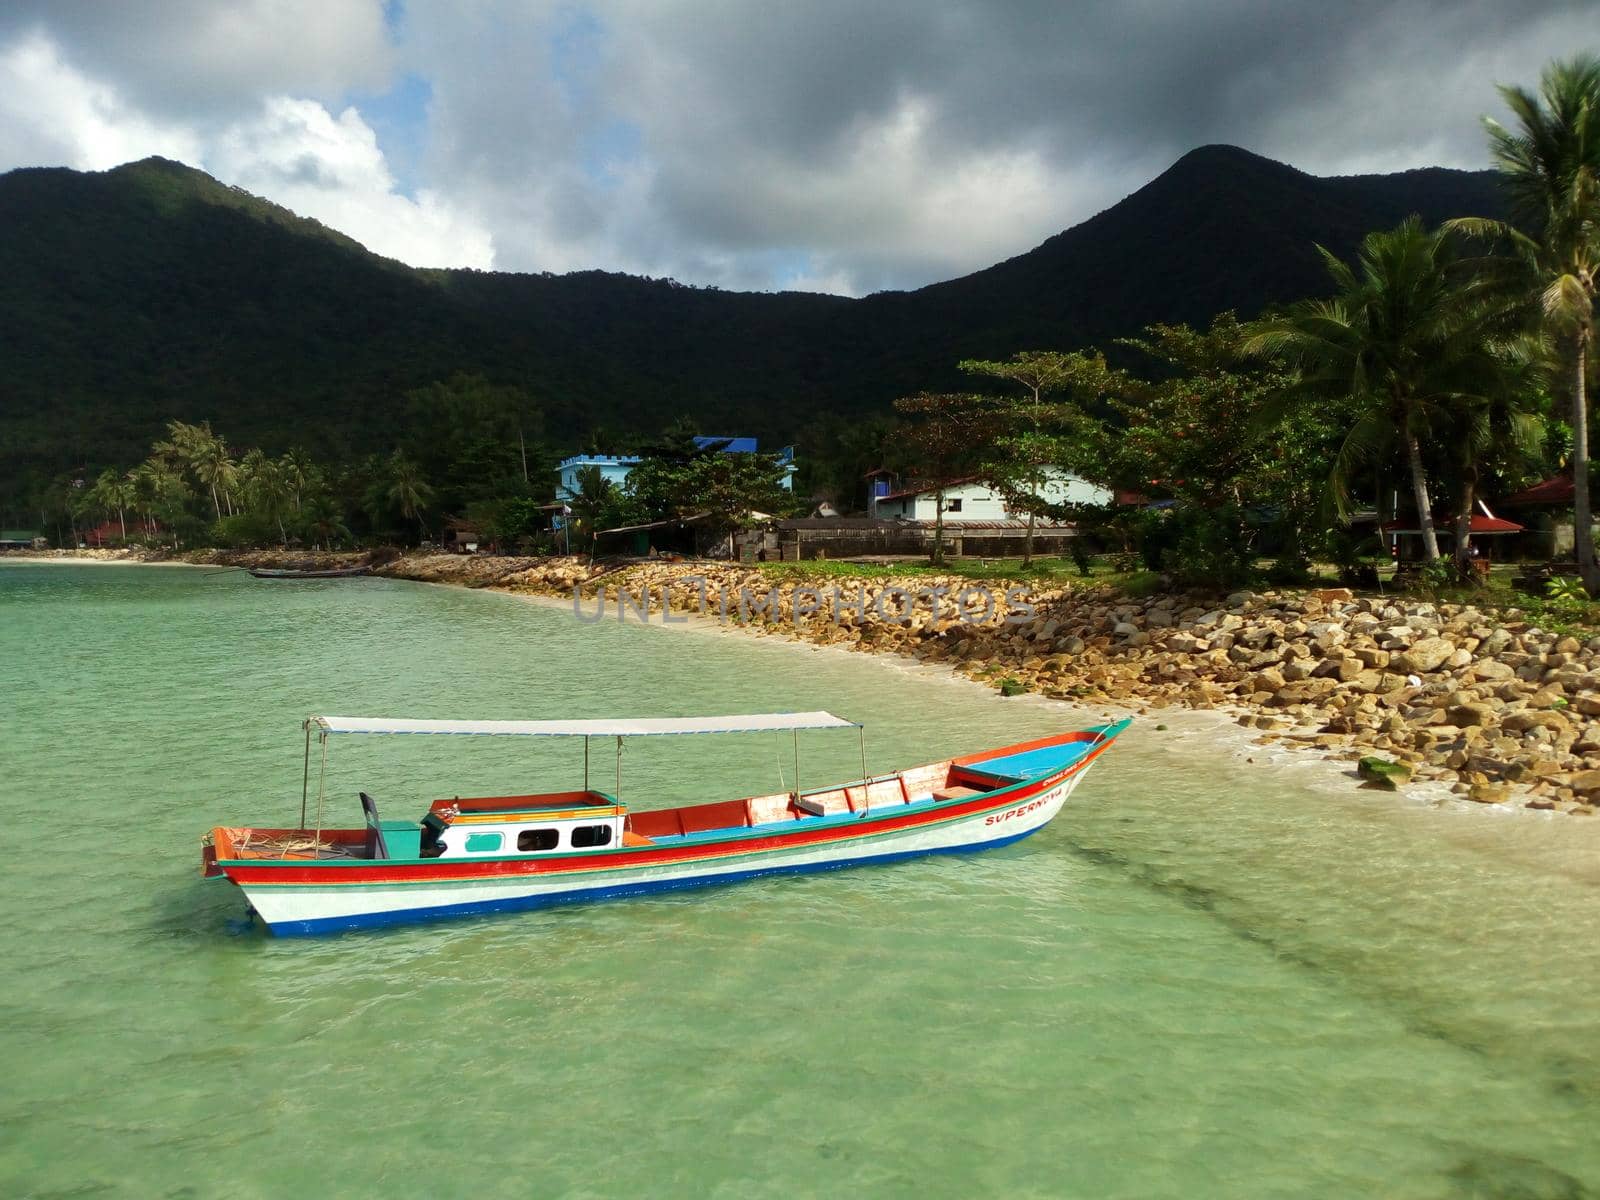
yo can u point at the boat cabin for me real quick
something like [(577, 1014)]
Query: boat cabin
[(458, 828)]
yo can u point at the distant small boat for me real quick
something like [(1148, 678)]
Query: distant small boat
[(506, 853), (327, 573)]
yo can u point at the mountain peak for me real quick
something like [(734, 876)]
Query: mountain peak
[(154, 291), (1219, 157)]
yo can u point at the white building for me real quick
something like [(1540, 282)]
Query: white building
[(973, 500)]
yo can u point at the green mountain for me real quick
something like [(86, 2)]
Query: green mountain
[(152, 291)]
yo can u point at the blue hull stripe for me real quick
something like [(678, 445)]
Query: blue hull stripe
[(408, 916)]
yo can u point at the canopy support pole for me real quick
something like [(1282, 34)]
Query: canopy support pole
[(305, 779), (586, 764), (322, 780), (797, 764), (861, 731), (619, 770)]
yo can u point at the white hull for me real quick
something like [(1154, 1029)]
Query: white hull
[(315, 909)]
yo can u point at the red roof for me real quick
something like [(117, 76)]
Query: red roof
[(924, 489), (1479, 524), (1555, 490), (110, 531)]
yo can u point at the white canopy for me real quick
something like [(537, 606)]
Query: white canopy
[(609, 727)]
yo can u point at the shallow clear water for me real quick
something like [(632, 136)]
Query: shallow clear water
[(1208, 977)]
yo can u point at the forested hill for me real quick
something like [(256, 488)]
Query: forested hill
[(152, 291)]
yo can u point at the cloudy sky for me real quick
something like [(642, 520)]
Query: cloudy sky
[(818, 144)]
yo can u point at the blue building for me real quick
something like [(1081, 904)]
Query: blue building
[(617, 468)]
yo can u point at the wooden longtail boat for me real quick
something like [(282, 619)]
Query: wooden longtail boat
[(504, 853), (326, 573)]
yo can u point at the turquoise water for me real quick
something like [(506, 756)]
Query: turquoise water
[(1208, 977)]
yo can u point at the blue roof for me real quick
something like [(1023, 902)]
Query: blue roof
[(734, 445)]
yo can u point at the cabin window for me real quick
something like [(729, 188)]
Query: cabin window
[(591, 835), (538, 839), (484, 843)]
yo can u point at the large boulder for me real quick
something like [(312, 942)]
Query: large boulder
[(1523, 721), (1423, 656), (1472, 713)]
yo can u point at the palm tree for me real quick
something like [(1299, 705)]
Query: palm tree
[(157, 488), (299, 471), (1550, 164), (112, 493), (1407, 338), (267, 488), (1502, 425), (595, 496), (324, 522), (206, 455), (406, 489)]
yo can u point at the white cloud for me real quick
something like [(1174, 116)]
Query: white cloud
[(298, 154), (205, 61), (53, 116), (291, 151)]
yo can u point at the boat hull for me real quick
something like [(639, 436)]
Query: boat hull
[(322, 898), (330, 573)]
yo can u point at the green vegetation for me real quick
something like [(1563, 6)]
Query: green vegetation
[(151, 292), (1383, 774), (1429, 363), (1551, 167), (192, 490), (1440, 363)]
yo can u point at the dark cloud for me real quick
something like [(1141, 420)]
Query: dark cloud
[(894, 143), (835, 144)]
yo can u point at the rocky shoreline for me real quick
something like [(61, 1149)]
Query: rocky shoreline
[(1504, 712)]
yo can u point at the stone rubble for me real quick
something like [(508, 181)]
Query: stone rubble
[(1498, 708)]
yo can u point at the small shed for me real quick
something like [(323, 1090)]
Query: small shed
[(1546, 508), (460, 537), (1408, 534), (22, 539), (675, 535)]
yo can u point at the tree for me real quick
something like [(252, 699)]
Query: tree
[(949, 433), (300, 473), (1031, 430), (1501, 431), (1208, 431), (1550, 163), (269, 489), (112, 494), (206, 456), (405, 489), (323, 522), (1407, 340), (677, 479), (475, 440), (597, 502), (160, 492)]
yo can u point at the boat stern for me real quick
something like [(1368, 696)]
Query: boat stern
[(215, 846)]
